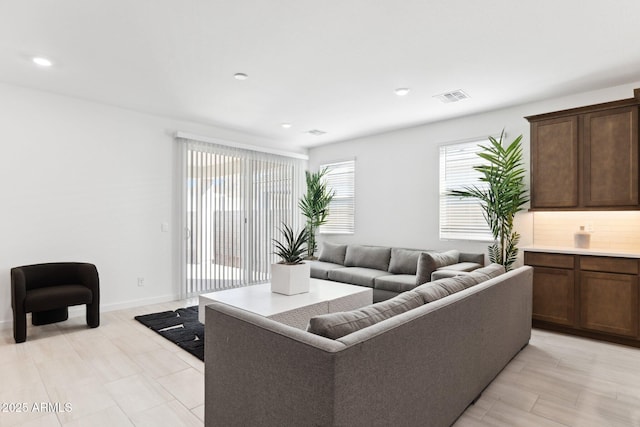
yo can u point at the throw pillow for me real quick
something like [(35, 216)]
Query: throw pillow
[(331, 252), (337, 325), (404, 261), (428, 262)]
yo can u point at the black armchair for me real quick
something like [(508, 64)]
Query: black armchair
[(47, 290)]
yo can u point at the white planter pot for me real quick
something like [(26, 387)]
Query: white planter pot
[(290, 279)]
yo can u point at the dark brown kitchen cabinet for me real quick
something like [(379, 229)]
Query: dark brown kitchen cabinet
[(610, 158), (553, 287), (554, 295), (609, 303), (554, 163), (593, 296), (586, 158)]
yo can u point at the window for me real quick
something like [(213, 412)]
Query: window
[(340, 179), (461, 219)]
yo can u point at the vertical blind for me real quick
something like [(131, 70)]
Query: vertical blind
[(236, 201), (340, 179), (461, 218)]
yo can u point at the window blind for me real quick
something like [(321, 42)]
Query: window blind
[(235, 203), (461, 218), (340, 179)]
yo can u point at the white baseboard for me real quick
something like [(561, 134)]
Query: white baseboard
[(80, 310), (136, 303)]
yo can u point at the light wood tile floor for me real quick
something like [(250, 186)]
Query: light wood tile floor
[(123, 374)]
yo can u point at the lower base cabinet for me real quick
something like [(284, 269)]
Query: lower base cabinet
[(609, 303), (554, 295), (591, 296)]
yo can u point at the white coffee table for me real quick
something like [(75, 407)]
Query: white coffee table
[(294, 310)]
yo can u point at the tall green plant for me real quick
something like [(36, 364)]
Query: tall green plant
[(315, 206), (502, 197)]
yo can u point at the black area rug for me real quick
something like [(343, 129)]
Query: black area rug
[(181, 327)]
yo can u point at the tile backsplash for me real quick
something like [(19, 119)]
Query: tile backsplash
[(609, 230)]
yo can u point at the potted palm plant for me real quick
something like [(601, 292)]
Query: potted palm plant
[(315, 207), (290, 275), (502, 197)]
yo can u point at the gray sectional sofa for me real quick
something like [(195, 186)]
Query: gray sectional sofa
[(389, 271), (418, 359)]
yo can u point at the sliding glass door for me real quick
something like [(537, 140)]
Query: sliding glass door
[(235, 201)]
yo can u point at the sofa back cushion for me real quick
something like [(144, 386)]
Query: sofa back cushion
[(375, 257), (459, 283), (428, 262), (337, 325), (489, 272), (333, 253), (441, 288), (404, 261), (431, 291)]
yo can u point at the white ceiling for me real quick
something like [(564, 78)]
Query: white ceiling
[(321, 64)]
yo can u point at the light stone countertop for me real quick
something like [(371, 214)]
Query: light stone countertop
[(623, 253)]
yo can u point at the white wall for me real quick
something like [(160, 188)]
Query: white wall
[(397, 172), (82, 181)]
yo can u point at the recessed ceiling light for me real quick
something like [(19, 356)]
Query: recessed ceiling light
[(316, 132), (43, 62), (286, 125), (402, 91), (240, 76)]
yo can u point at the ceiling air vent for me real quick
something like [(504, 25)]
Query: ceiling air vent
[(316, 132), (453, 96)]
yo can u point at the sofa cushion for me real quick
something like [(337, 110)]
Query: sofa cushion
[(452, 270), (457, 283), (444, 287), (320, 269), (333, 253), (488, 272), (356, 275), (337, 325), (396, 282), (443, 273), (472, 257), (375, 257), (404, 261), (461, 266), (428, 262), (431, 291), (52, 297)]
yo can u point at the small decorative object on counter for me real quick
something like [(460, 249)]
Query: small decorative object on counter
[(582, 238)]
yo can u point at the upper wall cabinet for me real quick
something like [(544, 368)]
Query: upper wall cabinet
[(586, 158), (610, 158), (554, 163)]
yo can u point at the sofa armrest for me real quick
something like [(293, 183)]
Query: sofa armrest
[(261, 372), (88, 276)]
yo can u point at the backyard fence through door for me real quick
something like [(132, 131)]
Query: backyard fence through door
[(235, 202)]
